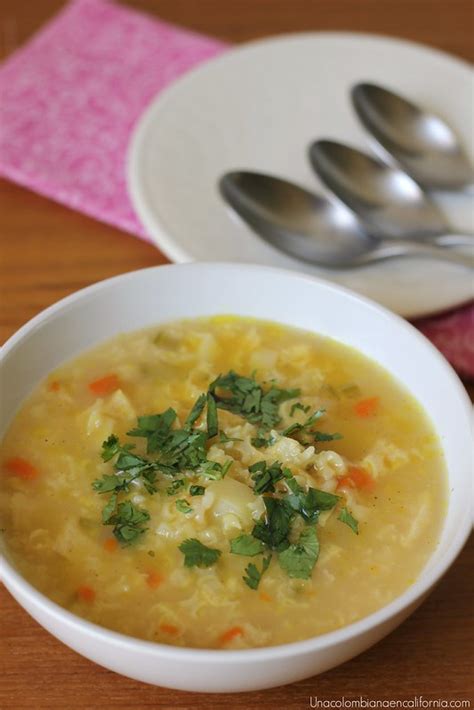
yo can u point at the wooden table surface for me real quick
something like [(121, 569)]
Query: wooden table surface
[(48, 251)]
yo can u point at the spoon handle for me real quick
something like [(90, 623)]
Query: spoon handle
[(454, 240), (395, 247)]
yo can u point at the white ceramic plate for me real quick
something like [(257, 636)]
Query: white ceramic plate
[(258, 107)]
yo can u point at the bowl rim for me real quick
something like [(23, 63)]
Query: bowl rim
[(35, 599)]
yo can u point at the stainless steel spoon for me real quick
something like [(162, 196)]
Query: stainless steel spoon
[(421, 142), (313, 228), (390, 203)]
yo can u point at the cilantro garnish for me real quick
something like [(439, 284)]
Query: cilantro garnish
[(298, 405), (253, 575), (128, 520), (346, 517), (116, 482), (298, 428), (322, 436), (310, 503), (175, 450), (155, 428), (215, 471), (298, 560), (198, 555), (351, 391), (183, 506), (305, 426), (179, 451), (265, 476), (109, 509), (212, 423), (261, 441), (128, 467), (110, 448), (274, 527), (246, 545), (224, 439), (196, 411), (245, 397), (196, 490), (176, 486)]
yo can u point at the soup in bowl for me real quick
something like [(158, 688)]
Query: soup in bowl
[(215, 464)]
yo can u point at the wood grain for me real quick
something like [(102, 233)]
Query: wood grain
[(48, 251)]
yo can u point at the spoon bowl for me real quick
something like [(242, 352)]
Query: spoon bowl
[(299, 222), (390, 203), (311, 227), (421, 142)]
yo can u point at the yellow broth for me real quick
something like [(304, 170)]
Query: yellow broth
[(51, 515)]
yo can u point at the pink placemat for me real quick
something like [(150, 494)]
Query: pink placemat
[(69, 100)]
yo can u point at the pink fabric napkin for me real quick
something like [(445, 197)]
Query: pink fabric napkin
[(70, 97), (69, 100)]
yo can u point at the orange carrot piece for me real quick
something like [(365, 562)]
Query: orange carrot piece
[(169, 629), (54, 386), (231, 634), (21, 468), (111, 544), (366, 407), (154, 579), (265, 597), (345, 482), (86, 594), (105, 385), (356, 478)]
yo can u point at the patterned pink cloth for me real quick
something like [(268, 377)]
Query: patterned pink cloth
[(69, 100), (70, 97)]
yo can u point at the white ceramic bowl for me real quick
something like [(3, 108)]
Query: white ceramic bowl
[(165, 293)]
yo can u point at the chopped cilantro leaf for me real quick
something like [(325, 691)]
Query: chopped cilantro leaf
[(184, 449), (155, 428), (273, 529), (215, 471), (224, 439), (253, 576), (198, 555), (128, 520), (346, 517), (298, 405), (298, 560), (212, 423), (183, 506), (305, 426), (245, 397), (322, 436), (196, 411), (246, 545), (116, 482), (261, 441), (309, 504), (270, 405), (110, 447), (196, 490), (328, 392), (291, 482), (351, 391), (109, 509), (265, 476), (176, 486)]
